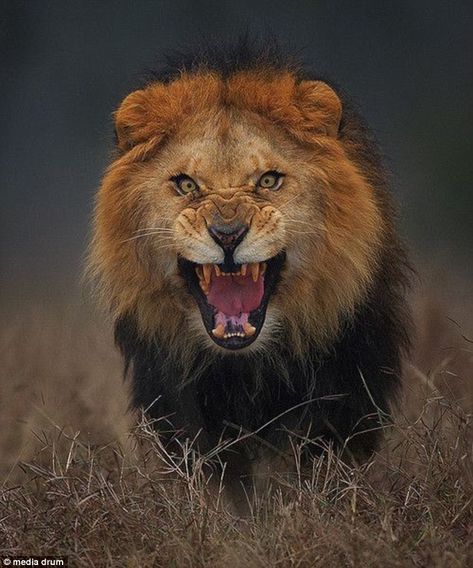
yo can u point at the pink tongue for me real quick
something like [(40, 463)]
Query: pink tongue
[(233, 295)]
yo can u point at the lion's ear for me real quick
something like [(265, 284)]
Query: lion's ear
[(320, 106), (130, 119), (143, 116)]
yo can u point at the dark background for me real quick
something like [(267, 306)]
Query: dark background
[(66, 65)]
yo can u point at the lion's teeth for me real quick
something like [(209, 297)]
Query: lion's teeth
[(233, 334), (219, 331), (204, 271), (207, 268), (249, 329), (254, 269), (204, 286)]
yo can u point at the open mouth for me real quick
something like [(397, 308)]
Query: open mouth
[(232, 302)]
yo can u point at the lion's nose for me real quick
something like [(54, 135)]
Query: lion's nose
[(228, 236)]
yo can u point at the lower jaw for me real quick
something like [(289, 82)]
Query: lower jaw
[(235, 343)]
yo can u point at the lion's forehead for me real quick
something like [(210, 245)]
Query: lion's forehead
[(224, 157)]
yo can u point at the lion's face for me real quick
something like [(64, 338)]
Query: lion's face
[(230, 215), (229, 203)]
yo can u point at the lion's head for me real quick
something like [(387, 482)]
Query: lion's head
[(236, 211)]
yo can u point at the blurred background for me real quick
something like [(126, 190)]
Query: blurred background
[(65, 66)]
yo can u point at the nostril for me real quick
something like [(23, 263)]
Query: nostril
[(228, 236)]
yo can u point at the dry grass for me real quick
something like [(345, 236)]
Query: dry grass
[(82, 479)]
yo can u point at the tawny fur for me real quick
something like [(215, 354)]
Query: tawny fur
[(326, 365), (328, 217)]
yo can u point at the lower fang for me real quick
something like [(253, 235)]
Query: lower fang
[(249, 329), (219, 331)]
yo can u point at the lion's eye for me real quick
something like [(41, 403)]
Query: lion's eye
[(271, 180), (185, 184)]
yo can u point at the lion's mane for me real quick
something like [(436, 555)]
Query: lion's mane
[(336, 385)]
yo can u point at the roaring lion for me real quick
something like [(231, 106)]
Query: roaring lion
[(245, 243)]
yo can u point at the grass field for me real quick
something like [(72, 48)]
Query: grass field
[(82, 477)]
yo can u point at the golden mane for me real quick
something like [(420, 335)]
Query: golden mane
[(311, 305)]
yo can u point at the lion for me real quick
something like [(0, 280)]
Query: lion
[(245, 244)]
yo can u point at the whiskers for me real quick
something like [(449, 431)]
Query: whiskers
[(296, 226), (165, 234), (299, 227), (281, 207)]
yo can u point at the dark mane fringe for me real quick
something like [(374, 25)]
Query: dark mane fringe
[(343, 396), (226, 58)]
